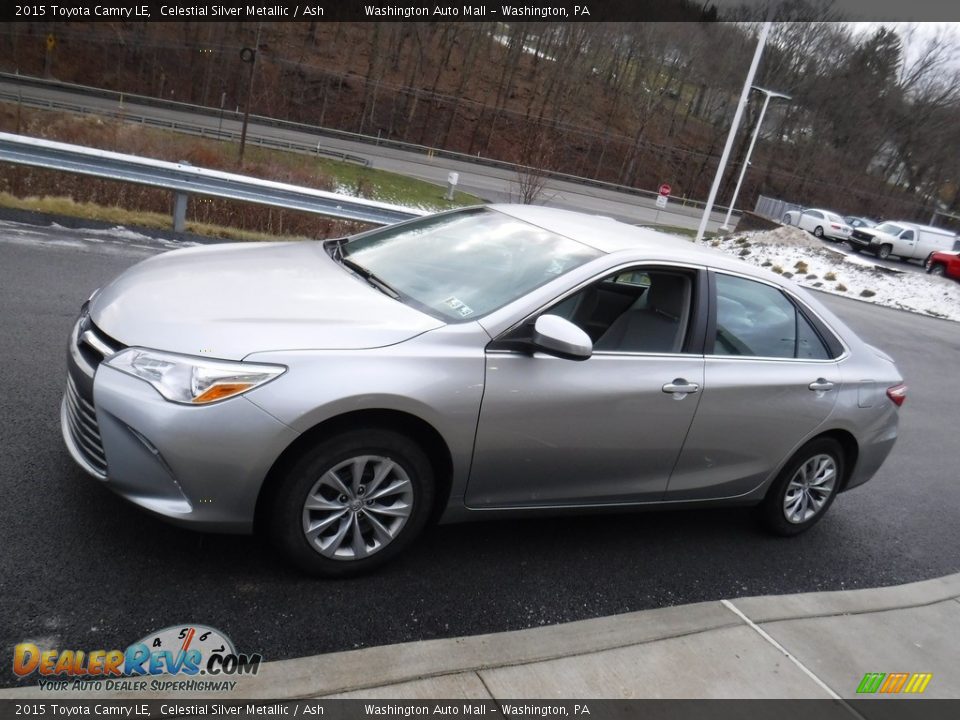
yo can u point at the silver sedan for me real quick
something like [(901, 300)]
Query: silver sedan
[(478, 363)]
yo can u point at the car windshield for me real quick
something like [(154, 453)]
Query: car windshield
[(465, 264), (834, 218), (890, 229)]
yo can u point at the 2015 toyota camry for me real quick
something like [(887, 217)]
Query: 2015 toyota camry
[(473, 363)]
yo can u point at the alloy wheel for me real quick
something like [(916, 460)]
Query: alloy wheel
[(357, 507), (810, 488)]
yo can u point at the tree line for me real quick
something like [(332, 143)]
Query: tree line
[(872, 126)]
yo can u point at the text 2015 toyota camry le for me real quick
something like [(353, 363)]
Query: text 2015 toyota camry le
[(477, 362)]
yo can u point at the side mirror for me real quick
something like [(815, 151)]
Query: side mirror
[(556, 336)]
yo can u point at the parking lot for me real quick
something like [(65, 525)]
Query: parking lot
[(83, 568)]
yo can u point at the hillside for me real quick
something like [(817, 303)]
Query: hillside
[(632, 103)]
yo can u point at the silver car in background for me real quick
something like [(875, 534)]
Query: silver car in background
[(476, 363)]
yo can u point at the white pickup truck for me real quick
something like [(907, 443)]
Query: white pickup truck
[(906, 240)]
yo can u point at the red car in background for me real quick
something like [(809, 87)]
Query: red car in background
[(944, 264)]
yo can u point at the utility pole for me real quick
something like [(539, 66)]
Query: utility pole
[(753, 141), (248, 55), (733, 131)]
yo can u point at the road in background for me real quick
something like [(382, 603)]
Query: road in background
[(490, 183), (81, 568)]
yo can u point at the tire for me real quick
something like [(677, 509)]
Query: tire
[(937, 269), (885, 251), (786, 219), (818, 231), (324, 476), (853, 246), (788, 517)]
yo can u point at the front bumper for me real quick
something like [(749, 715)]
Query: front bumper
[(858, 241), (200, 467)]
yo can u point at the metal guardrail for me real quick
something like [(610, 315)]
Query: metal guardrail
[(376, 141), (188, 128), (184, 180)]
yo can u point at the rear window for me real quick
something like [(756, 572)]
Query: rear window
[(757, 320)]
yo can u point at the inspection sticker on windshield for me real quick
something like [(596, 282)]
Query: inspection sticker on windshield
[(454, 304)]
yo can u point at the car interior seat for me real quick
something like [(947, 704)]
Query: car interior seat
[(656, 322)]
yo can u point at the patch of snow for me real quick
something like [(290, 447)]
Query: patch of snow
[(118, 232), (808, 262), (528, 49)]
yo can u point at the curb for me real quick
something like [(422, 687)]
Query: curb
[(322, 675)]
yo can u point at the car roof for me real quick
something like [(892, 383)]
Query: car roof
[(611, 236)]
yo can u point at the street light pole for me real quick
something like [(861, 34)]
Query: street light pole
[(733, 131), (753, 141), (250, 57)]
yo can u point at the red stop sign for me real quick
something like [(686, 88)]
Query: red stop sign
[(665, 189)]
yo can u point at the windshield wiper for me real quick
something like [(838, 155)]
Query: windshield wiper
[(369, 277)]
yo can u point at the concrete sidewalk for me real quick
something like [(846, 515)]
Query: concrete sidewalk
[(815, 645)]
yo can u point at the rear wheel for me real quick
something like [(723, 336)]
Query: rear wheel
[(352, 502), (885, 251), (786, 219), (804, 489), (818, 231)]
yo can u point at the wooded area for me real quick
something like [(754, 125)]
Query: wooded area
[(871, 128)]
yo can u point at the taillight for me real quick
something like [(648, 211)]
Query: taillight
[(897, 393), (835, 227)]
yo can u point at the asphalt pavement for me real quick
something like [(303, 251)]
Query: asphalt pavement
[(80, 568), (812, 646)]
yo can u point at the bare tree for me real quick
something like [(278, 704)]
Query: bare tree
[(535, 158)]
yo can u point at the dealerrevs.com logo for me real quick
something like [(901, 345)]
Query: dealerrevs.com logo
[(180, 650)]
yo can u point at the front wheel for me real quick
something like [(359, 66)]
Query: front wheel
[(853, 246), (885, 251), (804, 489), (936, 269), (352, 502)]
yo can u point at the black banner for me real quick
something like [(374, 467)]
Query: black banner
[(478, 11), (876, 709)]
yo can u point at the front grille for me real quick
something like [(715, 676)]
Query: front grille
[(94, 344), (82, 423), (861, 235)]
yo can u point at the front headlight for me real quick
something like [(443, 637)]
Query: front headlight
[(192, 380)]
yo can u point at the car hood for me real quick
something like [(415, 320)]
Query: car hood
[(227, 301)]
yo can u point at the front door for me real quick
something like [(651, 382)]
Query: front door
[(609, 429)]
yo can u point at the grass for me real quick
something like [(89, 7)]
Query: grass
[(129, 218), (391, 187)]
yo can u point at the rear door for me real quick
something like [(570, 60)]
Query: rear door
[(770, 378)]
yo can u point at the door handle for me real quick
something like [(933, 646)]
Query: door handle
[(680, 387), (820, 385)]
